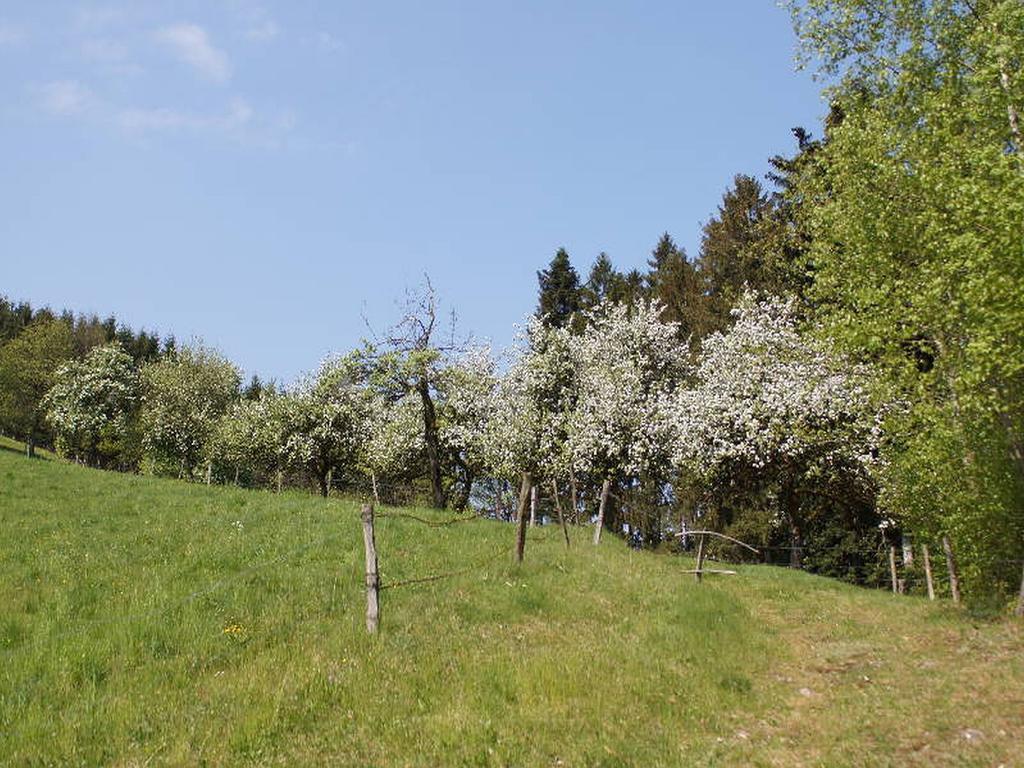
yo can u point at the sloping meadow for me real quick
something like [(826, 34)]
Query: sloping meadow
[(147, 621)]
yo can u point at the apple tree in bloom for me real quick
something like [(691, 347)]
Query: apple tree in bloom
[(251, 435), (773, 409), (629, 362), (326, 421), (394, 445), (465, 387), (184, 395), (91, 404)]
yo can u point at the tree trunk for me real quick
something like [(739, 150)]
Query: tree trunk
[(524, 500), (954, 580), (209, 472), (1020, 598), (928, 571), (280, 480), (558, 508), (533, 506), (236, 474), (322, 481), (330, 478), (792, 508), (433, 444), (373, 482), (30, 446), (606, 487), (575, 497)]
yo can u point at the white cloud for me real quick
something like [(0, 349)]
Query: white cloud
[(262, 30), (192, 45), (253, 22), (329, 42), (11, 34), (65, 97), (104, 50), (140, 120)]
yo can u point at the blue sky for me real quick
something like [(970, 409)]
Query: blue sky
[(263, 175)]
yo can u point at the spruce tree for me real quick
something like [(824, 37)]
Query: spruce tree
[(559, 291)]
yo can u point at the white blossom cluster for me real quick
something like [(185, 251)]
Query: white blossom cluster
[(629, 363), (183, 397), (766, 396), (92, 400)]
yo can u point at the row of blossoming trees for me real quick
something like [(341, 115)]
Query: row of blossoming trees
[(600, 417)]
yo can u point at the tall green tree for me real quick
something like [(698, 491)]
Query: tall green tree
[(559, 298), (740, 250), (28, 365), (917, 229), (674, 283)]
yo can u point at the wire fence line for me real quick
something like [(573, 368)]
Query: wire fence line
[(161, 611)]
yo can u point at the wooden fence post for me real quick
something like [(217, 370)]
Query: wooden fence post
[(524, 500), (892, 568), (606, 486), (561, 515), (928, 572), (372, 578), (954, 581), (700, 558)]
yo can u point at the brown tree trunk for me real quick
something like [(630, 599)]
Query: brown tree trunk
[(575, 497), (928, 571), (433, 444), (558, 508), (954, 579), (533, 506), (373, 482), (1020, 598), (606, 487), (524, 500), (30, 446)]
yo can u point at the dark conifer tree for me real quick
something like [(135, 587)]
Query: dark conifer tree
[(559, 291)]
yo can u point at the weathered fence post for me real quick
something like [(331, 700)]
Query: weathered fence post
[(928, 572), (372, 578), (561, 516), (892, 568), (700, 558), (524, 500), (954, 581), (606, 486)]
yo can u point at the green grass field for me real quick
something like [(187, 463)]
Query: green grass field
[(153, 622)]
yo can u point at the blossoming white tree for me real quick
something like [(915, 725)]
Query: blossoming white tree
[(326, 421), (183, 396), (252, 434), (629, 362), (394, 442), (776, 408), (91, 403)]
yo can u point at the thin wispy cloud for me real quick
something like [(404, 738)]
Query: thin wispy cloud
[(191, 45), (11, 34), (65, 98), (238, 115), (105, 50)]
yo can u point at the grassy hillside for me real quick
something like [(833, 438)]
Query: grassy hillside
[(151, 622)]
